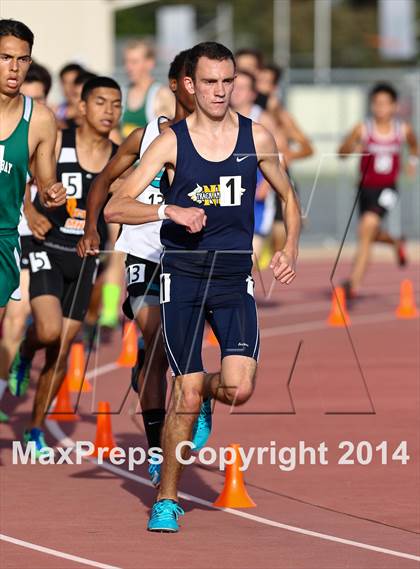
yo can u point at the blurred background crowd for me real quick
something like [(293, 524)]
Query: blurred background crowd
[(307, 64)]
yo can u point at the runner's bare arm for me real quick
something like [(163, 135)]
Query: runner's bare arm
[(38, 223), (295, 135), (352, 142), (123, 207), (283, 262), (125, 157), (51, 192)]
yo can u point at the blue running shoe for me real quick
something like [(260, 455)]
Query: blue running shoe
[(154, 473), (37, 436), (19, 375), (202, 426), (164, 516)]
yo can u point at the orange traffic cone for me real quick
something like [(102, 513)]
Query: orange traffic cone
[(407, 307), (63, 410), (234, 494), (75, 373), (211, 338), (338, 315), (128, 355), (104, 436)]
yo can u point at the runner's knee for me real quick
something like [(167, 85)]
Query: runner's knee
[(189, 402), (48, 332)]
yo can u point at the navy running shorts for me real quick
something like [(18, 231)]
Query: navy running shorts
[(188, 299)]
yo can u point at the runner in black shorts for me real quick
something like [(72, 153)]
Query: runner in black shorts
[(380, 140), (142, 245), (61, 282)]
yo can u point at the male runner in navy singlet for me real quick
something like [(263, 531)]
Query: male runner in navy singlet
[(211, 161)]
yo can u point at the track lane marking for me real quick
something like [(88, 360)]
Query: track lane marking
[(56, 553)]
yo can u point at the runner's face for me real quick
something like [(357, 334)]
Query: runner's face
[(67, 84), (212, 86), (15, 59), (248, 63), (137, 64), (35, 90), (265, 82), (383, 107), (242, 94), (102, 110)]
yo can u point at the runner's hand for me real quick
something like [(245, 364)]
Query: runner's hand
[(38, 223), (89, 243), (54, 196), (283, 265), (193, 218)]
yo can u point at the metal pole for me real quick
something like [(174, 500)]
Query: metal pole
[(224, 25), (281, 32), (322, 41)]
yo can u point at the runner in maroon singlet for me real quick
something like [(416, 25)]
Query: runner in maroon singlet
[(380, 139)]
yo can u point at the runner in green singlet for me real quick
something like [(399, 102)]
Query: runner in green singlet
[(27, 139), (146, 98)]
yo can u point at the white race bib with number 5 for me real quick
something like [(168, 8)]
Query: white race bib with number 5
[(231, 190), (39, 261), (388, 198), (73, 183)]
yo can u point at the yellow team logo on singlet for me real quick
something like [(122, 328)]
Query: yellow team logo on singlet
[(228, 192), (206, 195)]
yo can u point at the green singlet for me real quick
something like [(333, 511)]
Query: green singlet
[(14, 166), (139, 117)]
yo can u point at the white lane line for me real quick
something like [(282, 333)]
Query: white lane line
[(102, 370), (56, 553), (59, 434)]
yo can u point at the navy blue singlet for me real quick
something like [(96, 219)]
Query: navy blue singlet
[(225, 190)]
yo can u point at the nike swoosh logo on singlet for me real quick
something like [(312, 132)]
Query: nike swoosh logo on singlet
[(240, 159)]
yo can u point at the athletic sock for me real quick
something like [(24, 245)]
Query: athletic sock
[(153, 422), (3, 385), (110, 303)]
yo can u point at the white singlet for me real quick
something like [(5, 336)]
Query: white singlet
[(144, 240)]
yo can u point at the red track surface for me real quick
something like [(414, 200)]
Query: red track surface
[(100, 514)]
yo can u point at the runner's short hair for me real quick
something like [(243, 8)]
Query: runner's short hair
[(83, 77), (254, 53), (384, 87), (9, 27), (39, 73), (147, 44), (211, 50), (178, 64), (96, 83), (70, 68)]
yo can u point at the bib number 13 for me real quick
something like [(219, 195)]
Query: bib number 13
[(230, 190)]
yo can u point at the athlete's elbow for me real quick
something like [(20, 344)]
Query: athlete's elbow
[(111, 212)]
